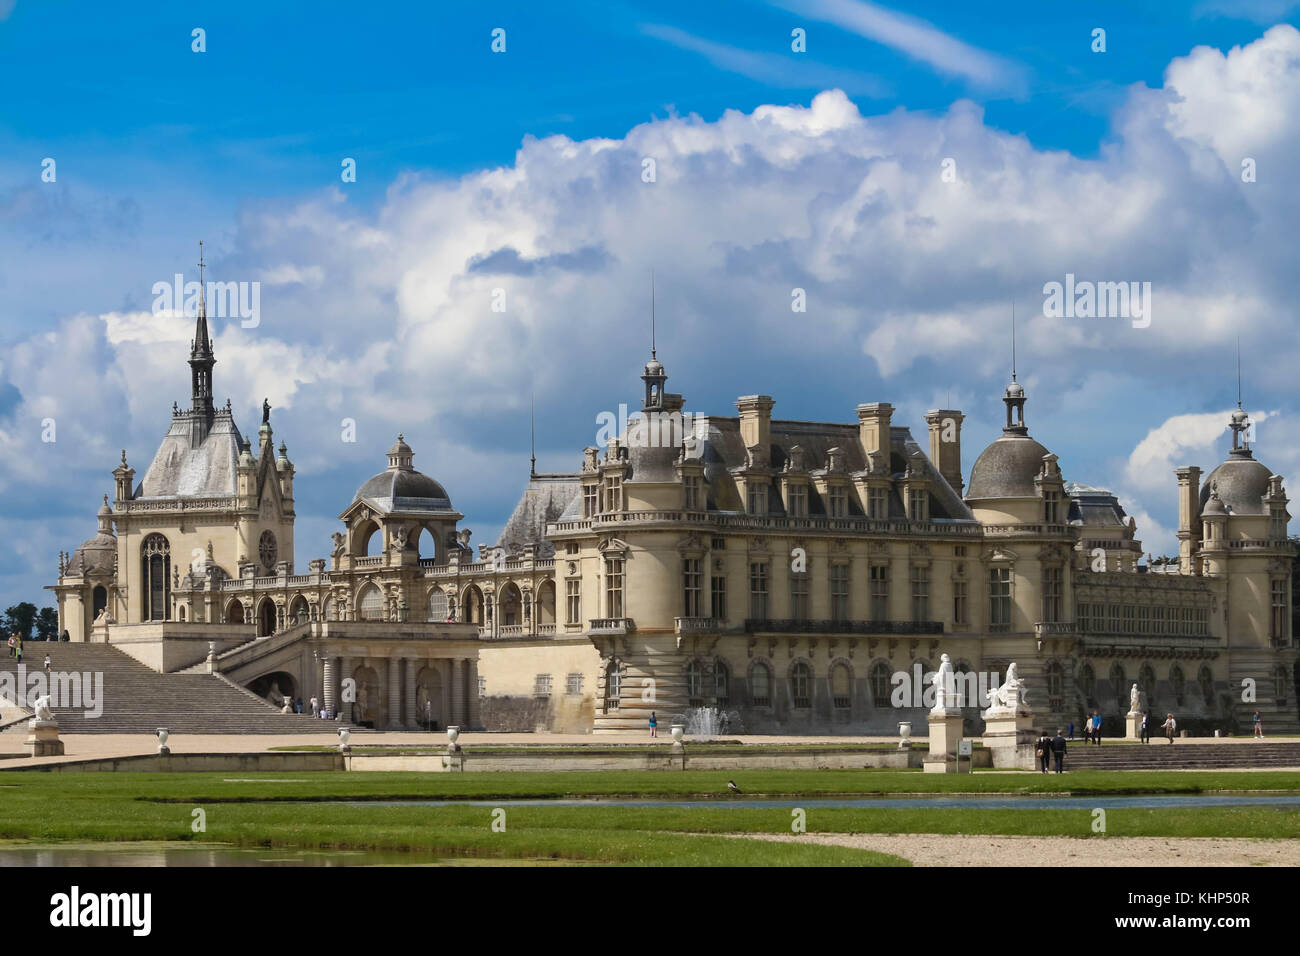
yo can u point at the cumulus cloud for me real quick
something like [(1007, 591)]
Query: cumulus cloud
[(441, 308)]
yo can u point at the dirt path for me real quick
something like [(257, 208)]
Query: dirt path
[(932, 849)]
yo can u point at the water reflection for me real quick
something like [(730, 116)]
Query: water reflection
[(173, 854)]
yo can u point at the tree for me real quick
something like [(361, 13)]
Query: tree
[(47, 624), (20, 618)]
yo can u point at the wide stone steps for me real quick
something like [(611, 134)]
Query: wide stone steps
[(1182, 755), (137, 699)]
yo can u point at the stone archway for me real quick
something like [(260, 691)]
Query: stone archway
[(428, 697), (367, 707), (275, 687), (299, 612), (266, 618), (235, 612)]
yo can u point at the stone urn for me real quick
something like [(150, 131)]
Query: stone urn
[(905, 732), (678, 730), (453, 734), (345, 736), (162, 734)]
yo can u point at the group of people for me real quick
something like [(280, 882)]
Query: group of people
[(16, 646), (1052, 748), (1169, 726), (1091, 729)]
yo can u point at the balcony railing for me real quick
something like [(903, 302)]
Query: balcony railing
[(615, 626), (696, 625), (1054, 629), (788, 626)]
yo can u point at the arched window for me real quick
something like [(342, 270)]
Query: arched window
[(1117, 682), (721, 683), (437, 605), (331, 609), (1087, 683), (1147, 684), (1178, 683), (371, 605), (760, 685), (613, 686), (801, 684), (98, 601), (695, 684), (156, 561), (880, 684), (1055, 686), (841, 685), (1206, 680)]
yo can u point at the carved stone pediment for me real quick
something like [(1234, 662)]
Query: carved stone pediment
[(1000, 555), (613, 545), (691, 543)]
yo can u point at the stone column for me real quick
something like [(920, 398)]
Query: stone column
[(471, 691), (331, 685), (412, 718), (345, 671), (394, 693), (457, 694), (444, 672)]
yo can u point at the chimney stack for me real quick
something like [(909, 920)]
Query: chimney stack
[(1189, 516), (873, 429), (756, 420), (945, 443)]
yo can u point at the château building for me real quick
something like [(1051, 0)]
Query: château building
[(796, 576)]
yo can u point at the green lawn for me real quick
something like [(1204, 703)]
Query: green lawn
[(307, 810)]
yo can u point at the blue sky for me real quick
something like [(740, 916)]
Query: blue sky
[(1116, 165)]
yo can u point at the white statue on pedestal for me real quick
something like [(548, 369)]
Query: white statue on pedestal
[(1010, 699), (945, 687), (1134, 701), (42, 708)]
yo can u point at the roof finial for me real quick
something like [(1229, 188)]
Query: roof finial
[(1013, 340), (532, 434), (1239, 371), (652, 312), (203, 299)]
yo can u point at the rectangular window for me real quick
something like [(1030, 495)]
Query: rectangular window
[(880, 592), (959, 551), (839, 592), (1052, 594), (573, 601), (960, 605), (877, 504), (691, 485), (1052, 507), (917, 502), (613, 587), (758, 591), (1112, 618), (542, 685), (691, 587), (1144, 619), (758, 499), (999, 599), (719, 544), (613, 493), (920, 592), (1277, 524), (1279, 602), (719, 595), (838, 501), (588, 500), (798, 495), (573, 684), (799, 595)]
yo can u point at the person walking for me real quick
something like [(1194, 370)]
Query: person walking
[(654, 725), (1044, 751), (1058, 750), (47, 665), (1170, 725), (11, 645), (315, 707), (1259, 725), (1146, 727), (1071, 730), (1096, 727), (18, 647)]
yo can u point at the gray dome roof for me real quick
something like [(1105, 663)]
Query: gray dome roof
[(97, 554), (1007, 469), (405, 491), (1242, 485)]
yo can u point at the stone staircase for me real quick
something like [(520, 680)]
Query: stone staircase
[(137, 699), (1183, 755)]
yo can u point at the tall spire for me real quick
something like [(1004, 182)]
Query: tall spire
[(201, 357), (532, 435), (1014, 396), (1240, 423), (652, 312), (1013, 340)]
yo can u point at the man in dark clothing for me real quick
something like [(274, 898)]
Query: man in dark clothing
[(1146, 728), (1044, 751), (1058, 750)]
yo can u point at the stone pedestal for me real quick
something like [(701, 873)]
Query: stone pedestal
[(43, 739), (1011, 740), (1132, 726), (945, 731)]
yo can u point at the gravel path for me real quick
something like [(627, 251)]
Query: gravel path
[(932, 849)]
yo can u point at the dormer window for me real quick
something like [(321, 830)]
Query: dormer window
[(1277, 523), (797, 501), (877, 504), (1052, 507), (918, 501), (589, 500), (758, 499), (691, 492), (612, 493), (838, 501)]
